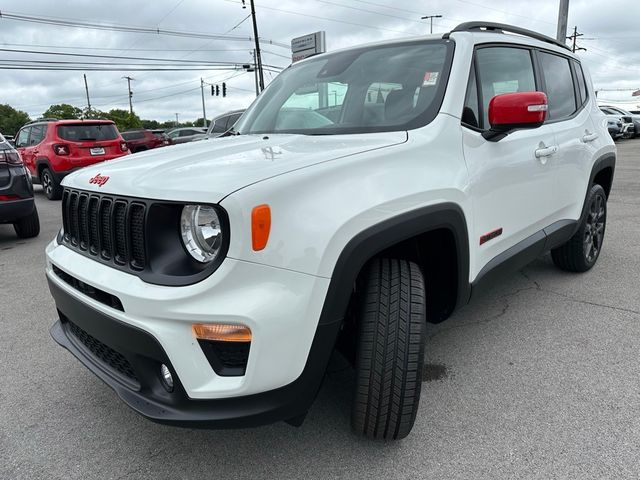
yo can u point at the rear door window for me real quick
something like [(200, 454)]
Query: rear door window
[(86, 132), (37, 134), (559, 85), (582, 84), (503, 70)]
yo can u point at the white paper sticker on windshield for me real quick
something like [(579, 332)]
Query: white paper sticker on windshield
[(430, 79)]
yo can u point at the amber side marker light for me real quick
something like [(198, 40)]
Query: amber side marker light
[(260, 226), (221, 333)]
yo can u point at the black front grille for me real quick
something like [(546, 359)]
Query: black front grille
[(107, 355), (112, 229)]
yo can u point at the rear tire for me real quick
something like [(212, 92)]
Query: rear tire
[(390, 351), (29, 226), (582, 250), (50, 185)]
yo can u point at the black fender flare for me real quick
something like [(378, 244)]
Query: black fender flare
[(42, 161), (607, 160), (385, 234)]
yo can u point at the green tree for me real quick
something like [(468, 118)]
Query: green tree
[(123, 119), (11, 119), (150, 124), (199, 122), (63, 111)]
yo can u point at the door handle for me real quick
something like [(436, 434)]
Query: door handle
[(589, 137), (546, 152)]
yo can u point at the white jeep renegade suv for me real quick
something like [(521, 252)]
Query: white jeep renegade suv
[(366, 192)]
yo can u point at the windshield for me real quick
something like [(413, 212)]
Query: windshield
[(88, 132), (371, 89)]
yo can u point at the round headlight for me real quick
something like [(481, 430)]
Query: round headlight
[(201, 232)]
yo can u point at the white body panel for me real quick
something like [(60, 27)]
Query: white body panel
[(208, 171), (323, 191)]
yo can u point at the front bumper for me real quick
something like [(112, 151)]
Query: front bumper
[(145, 394), (287, 358)]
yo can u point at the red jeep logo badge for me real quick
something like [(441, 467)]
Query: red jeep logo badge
[(99, 180)]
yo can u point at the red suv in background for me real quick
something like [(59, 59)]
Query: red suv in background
[(140, 140), (52, 149)]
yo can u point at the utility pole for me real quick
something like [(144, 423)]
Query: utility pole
[(204, 112), (86, 87), (563, 15), (255, 34), (431, 17), (130, 93), (255, 72), (574, 38), (177, 123)]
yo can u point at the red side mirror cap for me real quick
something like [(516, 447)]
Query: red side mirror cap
[(511, 111)]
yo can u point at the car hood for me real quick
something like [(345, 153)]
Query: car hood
[(208, 171)]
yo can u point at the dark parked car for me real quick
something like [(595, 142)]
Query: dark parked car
[(16, 193), (140, 140), (221, 125)]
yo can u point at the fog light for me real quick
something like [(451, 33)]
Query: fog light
[(166, 377)]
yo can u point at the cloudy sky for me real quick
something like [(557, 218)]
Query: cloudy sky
[(610, 36)]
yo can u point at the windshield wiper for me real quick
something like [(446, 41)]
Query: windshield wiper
[(87, 139)]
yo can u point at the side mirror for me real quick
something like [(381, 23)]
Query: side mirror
[(515, 111)]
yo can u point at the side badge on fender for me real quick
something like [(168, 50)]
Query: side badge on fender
[(491, 235)]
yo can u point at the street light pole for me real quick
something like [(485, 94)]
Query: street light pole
[(177, 123), (431, 17)]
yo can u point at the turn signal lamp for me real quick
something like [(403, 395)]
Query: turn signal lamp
[(221, 333), (260, 226)]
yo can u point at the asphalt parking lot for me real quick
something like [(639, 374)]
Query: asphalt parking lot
[(538, 378)]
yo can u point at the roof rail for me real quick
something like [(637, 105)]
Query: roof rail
[(40, 120), (504, 28)]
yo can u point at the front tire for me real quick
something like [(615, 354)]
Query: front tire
[(50, 185), (582, 250), (29, 226), (390, 351)]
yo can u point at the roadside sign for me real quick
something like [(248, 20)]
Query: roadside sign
[(307, 46)]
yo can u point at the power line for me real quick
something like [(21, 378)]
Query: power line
[(318, 17), (505, 12), (368, 11), (67, 47), (124, 28), (86, 55)]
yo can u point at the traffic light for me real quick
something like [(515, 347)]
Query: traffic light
[(217, 90), (224, 89), (213, 91)]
